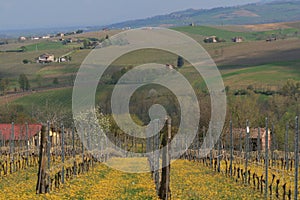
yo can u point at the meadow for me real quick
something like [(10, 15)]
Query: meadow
[(103, 182)]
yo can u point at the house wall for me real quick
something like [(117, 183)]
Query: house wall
[(263, 140)]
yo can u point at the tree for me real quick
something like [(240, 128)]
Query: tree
[(24, 82), (55, 81), (180, 61), (39, 79), (291, 89), (86, 43), (53, 111), (227, 88), (26, 61), (23, 49), (4, 84), (79, 31)]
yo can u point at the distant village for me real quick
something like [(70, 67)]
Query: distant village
[(64, 38), (48, 36)]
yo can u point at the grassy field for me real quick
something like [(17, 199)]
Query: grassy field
[(253, 62), (271, 75), (227, 35), (44, 46), (189, 180)]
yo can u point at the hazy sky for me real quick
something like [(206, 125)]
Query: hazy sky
[(20, 14)]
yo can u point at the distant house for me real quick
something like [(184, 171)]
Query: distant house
[(19, 133), (60, 35), (66, 41), (211, 39), (22, 38), (271, 39), (262, 140), (46, 37), (254, 140), (62, 59), (46, 58), (237, 39), (169, 66)]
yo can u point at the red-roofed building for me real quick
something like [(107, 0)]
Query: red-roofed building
[(17, 132)]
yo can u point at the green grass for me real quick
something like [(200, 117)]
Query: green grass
[(45, 46), (58, 70), (61, 97), (143, 56), (40, 99), (273, 74), (234, 76), (206, 31)]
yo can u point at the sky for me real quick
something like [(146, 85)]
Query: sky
[(27, 14)]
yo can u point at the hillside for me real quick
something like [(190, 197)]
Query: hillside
[(253, 63), (264, 12)]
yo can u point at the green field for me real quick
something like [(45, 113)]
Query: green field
[(237, 74), (273, 74), (44, 46), (207, 31)]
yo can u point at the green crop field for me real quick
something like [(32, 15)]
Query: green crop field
[(44, 46), (273, 74), (40, 99)]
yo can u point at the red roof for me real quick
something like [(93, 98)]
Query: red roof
[(19, 131)]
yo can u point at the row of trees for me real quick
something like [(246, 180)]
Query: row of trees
[(22, 80), (24, 83), (4, 85)]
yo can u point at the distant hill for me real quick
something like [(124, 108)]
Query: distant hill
[(264, 12)]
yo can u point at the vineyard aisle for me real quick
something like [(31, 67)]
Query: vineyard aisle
[(189, 180)]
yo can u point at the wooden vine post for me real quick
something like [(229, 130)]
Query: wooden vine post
[(164, 190), (42, 183)]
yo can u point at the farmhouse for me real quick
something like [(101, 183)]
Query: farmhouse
[(211, 39), (46, 37), (45, 58), (22, 38), (257, 139), (169, 66), (18, 132), (237, 39), (60, 35)]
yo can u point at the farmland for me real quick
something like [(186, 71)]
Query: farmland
[(261, 79)]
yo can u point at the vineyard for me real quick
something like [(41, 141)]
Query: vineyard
[(55, 162)]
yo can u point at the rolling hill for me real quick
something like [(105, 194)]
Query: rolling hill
[(263, 12)]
